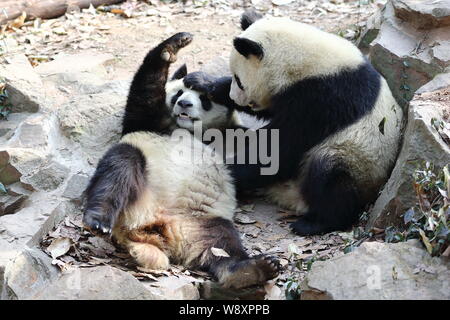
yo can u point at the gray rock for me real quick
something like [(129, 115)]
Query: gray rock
[(380, 271), (440, 81), (28, 273), (406, 56), (88, 62), (10, 204), (421, 142), (93, 121), (423, 14), (173, 288), (23, 84), (75, 186), (218, 67), (98, 283), (48, 178)]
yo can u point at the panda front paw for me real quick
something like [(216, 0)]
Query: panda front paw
[(172, 45), (97, 223)]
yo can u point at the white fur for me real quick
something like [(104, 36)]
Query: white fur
[(294, 51), (217, 117), (183, 178)]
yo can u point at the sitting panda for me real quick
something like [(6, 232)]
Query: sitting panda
[(339, 125), (169, 200)]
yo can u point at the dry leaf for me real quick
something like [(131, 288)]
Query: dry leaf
[(219, 252), (426, 241), (59, 247), (281, 2), (248, 207), (273, 292), (19, 21), (243, 219)]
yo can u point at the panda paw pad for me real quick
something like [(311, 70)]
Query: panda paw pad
[(270, 266), (175, 43)]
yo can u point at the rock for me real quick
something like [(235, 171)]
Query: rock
[(98, 283), (380, 271), (9, 174), (423, 14), (440, 81), (65, 64), (22, 162), (217, 67), (93, 121), (23, 84), (174, 288), (48, 178), (31, 133), (28, 273), (75, 187), (11, 204), (406, 56), (421, 142)]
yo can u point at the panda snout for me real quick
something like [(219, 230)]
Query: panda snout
[(184, 103)]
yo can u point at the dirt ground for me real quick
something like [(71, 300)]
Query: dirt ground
[(264, 228)]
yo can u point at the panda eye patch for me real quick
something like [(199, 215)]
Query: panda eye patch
[(238, 82), (206, 103), (175, 97)]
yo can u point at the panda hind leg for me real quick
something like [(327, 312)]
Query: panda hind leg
[(332, 197), (238, 270), (256, 270), (118, 182)]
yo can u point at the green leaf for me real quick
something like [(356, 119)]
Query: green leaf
[(2, 188)]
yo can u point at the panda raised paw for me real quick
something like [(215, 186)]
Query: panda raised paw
[(174, 44)]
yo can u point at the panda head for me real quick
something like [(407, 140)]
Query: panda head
[(271, 54), (188, 106)]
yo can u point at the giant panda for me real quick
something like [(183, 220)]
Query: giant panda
[(339, 125), (165, 199)]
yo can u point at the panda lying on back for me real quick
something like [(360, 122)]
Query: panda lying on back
[(165, 200), (338, 122)]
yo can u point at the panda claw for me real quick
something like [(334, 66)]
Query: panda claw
[(97, 223)]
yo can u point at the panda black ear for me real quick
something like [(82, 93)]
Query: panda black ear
[(180, 73), (247, 47), (248, 17)]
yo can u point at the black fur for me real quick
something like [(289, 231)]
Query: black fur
[(146, 106), (118, 180), (206, 103), (236, 269), (333, 197), (248, 18), (306, 114), (248, 47), (176, 96), (180, 73)]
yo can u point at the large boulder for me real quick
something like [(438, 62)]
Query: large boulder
[(98, 283), (380, 271), (408, 43), (28, 273), (421, 142), (23, 84)]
